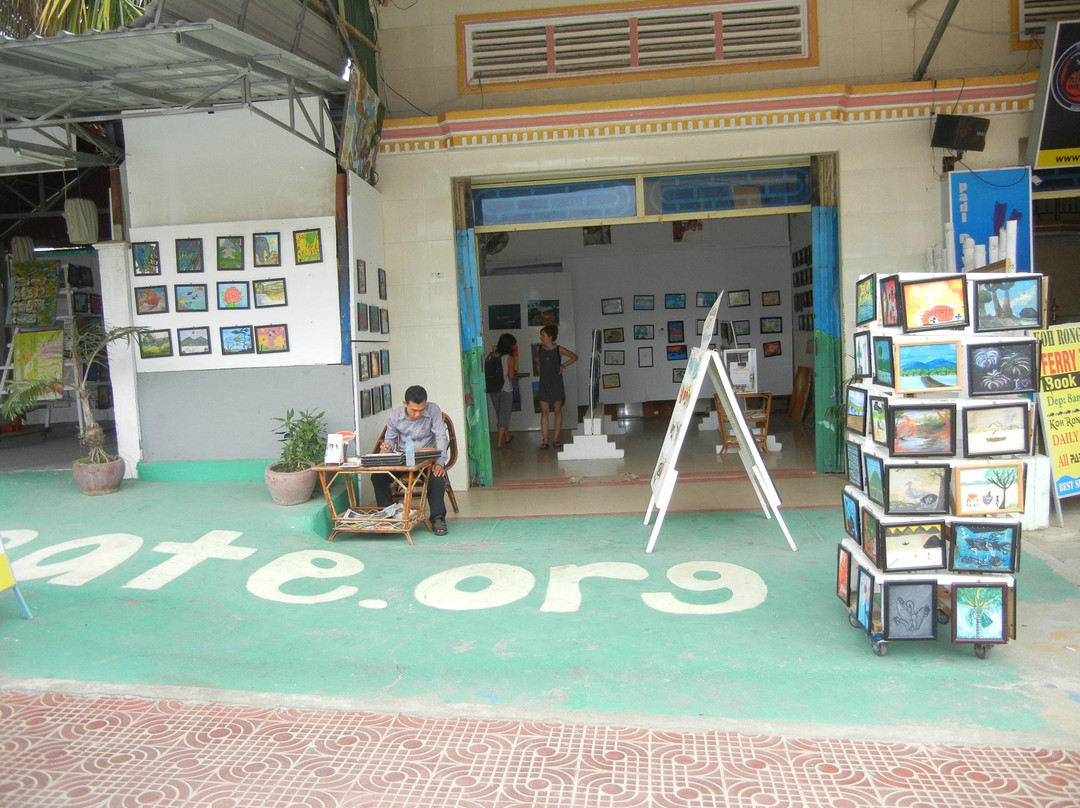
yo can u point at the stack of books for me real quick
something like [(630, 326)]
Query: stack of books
[(383, 459)]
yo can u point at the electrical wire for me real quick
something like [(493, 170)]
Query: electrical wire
[(406, 100)]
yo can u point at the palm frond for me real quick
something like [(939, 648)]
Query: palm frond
[(83, 16)]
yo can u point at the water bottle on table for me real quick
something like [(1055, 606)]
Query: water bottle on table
[(410, 451)]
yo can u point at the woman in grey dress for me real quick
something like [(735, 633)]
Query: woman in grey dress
[(552, 392), (503, 400)]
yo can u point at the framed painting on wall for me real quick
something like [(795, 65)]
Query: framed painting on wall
[(645, 357), (155, 344), (675, 300), (909, 610), (504, 316), (774, 348), (193, 341), (613, 335), (266, 249), (870, 532), (271, 292), (675, 331), (146, 256), (704, 300), (644, 332), (230, 252), (611, 305), (190, 297), (151, 300), (384, 321), (741, 328), (614, 357), (1002, 368), (233, 295), (307, 246), (771, 325), (384, 361), (382, 283), (677, 375), (643, 303), (863, 365), (374, 326), (611, 380), (740, 297), (542, 312), (934, 303), (676, 353), (985, 546), (363, 366), (770, 298), (361, 277), (189, 255), (981, 489), (237, 339), (271, 338)]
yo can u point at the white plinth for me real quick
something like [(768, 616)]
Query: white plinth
[(590, 447), (711, 423)]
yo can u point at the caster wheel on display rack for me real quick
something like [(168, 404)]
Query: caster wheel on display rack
[(879, 648), (981, 650)]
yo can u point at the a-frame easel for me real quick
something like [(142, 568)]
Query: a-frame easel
[(705, 362), (7, 581)]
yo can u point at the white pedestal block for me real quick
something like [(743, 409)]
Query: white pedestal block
[(590, 447), (711, 423)]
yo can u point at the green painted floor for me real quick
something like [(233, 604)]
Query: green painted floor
[(489, 616)]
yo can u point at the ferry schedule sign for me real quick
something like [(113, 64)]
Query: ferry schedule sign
[(1059, 396)]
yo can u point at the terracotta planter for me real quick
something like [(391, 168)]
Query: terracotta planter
[(95, 479), (290, 487)]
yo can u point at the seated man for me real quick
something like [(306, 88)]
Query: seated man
[(424, 421)]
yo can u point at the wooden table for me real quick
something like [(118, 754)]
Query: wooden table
[(360, 519)]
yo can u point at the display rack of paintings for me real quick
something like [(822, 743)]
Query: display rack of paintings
[(938, 428)]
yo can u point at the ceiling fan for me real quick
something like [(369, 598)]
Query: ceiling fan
[(495, 243)]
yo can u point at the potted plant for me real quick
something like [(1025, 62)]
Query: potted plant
[(99, 472), (303, 437)]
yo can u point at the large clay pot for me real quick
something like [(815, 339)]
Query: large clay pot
[(290, 487), (95, 479)]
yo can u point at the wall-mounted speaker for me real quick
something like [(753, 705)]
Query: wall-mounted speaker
[(959, 132)]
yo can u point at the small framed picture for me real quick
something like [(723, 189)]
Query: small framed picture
[(361, 317), (610, 380), (382, 283), (266, 249), (146, 256), (373, 361), (675, 331), (386, 397), (189, 255), (193, 341), (979, 613), (504, 316), (911, 546), (866, 299), (613, 335), (644, 332), (843, 575), (738, 298), (233, 296), (853, 456), (864, 601), (997, 429), (771, 325), (230, 252), (307, 246), (909, 610), (883, 362), (994, 487), (237, 339), (614, 357), (271, 293), (155, 344), (916, 430), (879, 409), (384, 361), (645, 357), (927, 305), (855, 417), (863, 365), (365, 403), (1009, 305), (151, 300), (678, 374), (1002, 368), (643, 303), (361, 277), (851, 514), (675, 300), (190, 297), (874, 477), (770, 298), (363, 366), (611, 305), (985, 546), (917, 489), (271, 338), (870, 533), (889, 294), (596, 235), (374, 325), (926, 367), (771, 348), (676, 352), (742, 327), (384, 321), (705, 299)]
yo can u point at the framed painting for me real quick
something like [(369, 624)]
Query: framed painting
[(271, 292), (237, 339), (771, 325), (935, 303), (307, 246), (851, 514), (155, 344), (675, 331), (889, 295), (266, 249), (146, 256), (363, 366), (740, 297), (272, 338), (374, 326), (373, 361), (151, 300), (644, 332), (918, 430), (704, 300), (997, 429), (926, 367), (384, 361), (866, 299), (879, 409), (542, 312), (985, 546), (613, 335), (912, 546), (382, 283), (189, 255), (843, 575), (645, 357), (678, 374), (874, 470), (917, 489), (676, 352), (870, 530), (863, 365), (675, 300), (855, 416), (193, 341), (233, 296), (1009, 305), (614, 357), (643, 303), (365, 403), (853, 455), (741, 327), (988, 488), (504, 316), (190, 297), (864, 600), (611, 380), (774, 348), (388, 400), (771, 298), (979, 613), (883, 362), (361, 277), (611, 305), (384, 321), (1003, 368), (376, 400), (909, 610), (230, 252)]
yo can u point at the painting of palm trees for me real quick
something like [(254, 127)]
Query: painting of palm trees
[(1009, 305), (979, 613), (1002, 368)]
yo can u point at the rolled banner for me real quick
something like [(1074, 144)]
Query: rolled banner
[(1010, 230)]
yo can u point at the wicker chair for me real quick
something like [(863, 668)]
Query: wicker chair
[(451, 448)]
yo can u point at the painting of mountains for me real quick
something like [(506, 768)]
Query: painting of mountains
[(927, 367)]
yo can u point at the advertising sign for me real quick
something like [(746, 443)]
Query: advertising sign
[(981, 202), (1055, 134), (1059, 396)]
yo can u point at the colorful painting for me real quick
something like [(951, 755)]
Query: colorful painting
[(890, 309), (770, 298), (271, 339), (361, 279), (913, 546), (997, 429), (373, 319), (146, 256), (39, 356), (771, 325), (926, 367), (870, 532), (230, 252), (1009, 305), (883, 361), (233, 296), (855, 417), (155, 344), (614, 357), (740, 297), (32, 301), (978, 613), (985, 546), (879, 408), (307, 246), (741, 327), (272, 292), (382, 283), (851, 514), (611, 380), (1003, 368), (922, 431), (863, 366), (543, 312), (917, 489), (774, 348), (864, 604), (643, 303), (676, 300), (874, 468), (151, 300), (675, 331), (676, 353), (866, 299), (611, 305), (853, 455), (237, 340), (644, 332), (934, 303), (189, 255), (190, 297), (706, 299), (193, 341), (266, 248), (843, 575), (989, 488), (909, 610)]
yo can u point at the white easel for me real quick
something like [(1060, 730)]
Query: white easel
[(704, 361)]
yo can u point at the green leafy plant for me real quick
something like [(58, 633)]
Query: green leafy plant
[(303, 439), (836, 418), (88, 346)]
